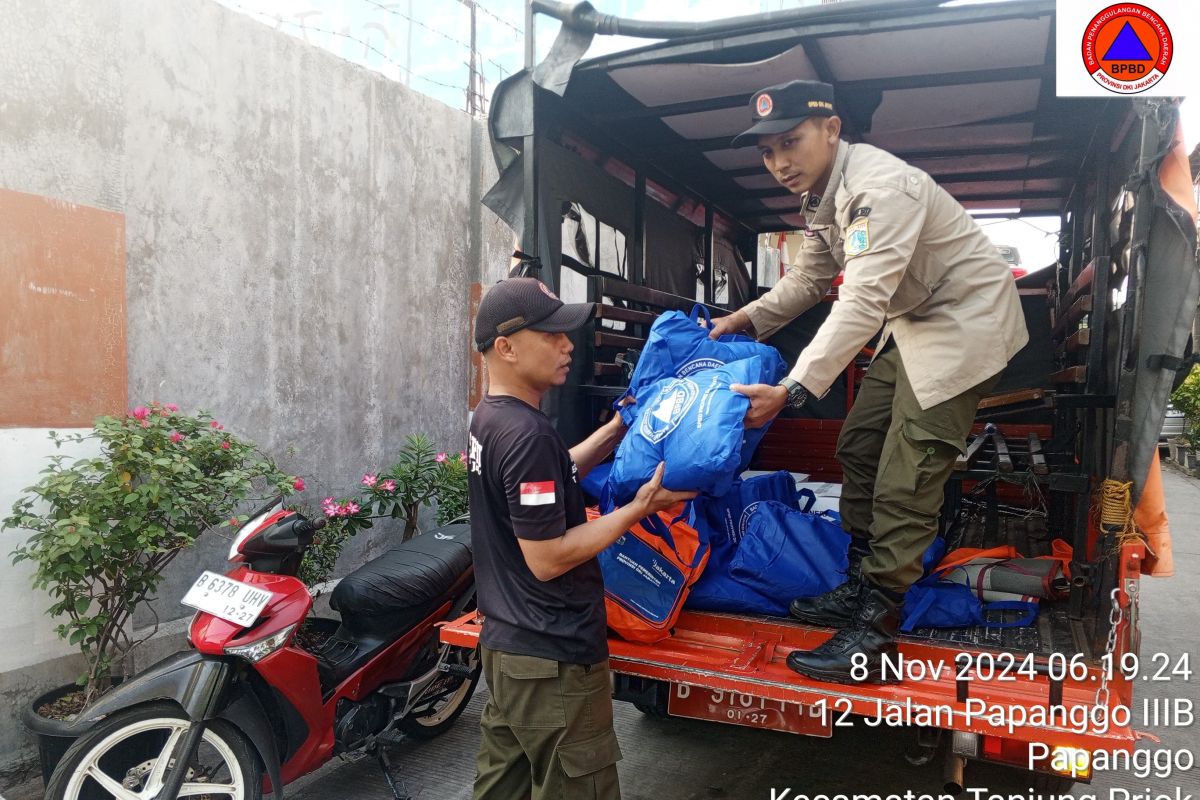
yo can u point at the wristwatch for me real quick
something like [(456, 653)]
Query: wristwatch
[(797, 395)]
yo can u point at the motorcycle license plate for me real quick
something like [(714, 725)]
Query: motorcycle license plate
[(232, 601), (734, 708)]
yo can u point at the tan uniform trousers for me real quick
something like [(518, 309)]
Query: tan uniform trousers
[(896, 458), (547, 731)]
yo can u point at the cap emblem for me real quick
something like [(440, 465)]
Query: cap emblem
[(546, 291), (764, 105)]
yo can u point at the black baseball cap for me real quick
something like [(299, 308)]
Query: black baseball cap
[(782, 107), (518, 303)]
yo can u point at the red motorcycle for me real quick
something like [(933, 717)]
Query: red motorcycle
[(267, 689)]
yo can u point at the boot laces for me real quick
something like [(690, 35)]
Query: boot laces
[(849, 635)]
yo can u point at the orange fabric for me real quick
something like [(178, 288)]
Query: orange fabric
[(634, 627), (964, 555), (1060, 551), (1150, 516)]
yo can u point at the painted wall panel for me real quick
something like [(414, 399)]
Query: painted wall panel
[(62, 336)]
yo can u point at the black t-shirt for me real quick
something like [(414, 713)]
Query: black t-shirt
[(523, 484)]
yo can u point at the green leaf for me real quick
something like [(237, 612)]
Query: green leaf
[(82, 604)]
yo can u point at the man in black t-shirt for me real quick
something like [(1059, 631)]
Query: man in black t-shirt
[(547, 728)]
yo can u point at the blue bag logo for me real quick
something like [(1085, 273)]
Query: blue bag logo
[(744, 522), (698, 364), (668, 410)]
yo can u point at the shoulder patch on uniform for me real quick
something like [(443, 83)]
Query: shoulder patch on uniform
[(861, 211), (539, 493), (858, 237)]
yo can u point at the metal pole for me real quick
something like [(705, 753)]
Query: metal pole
[(709, 267), (529, 233), (472, 90), (530, 38), (408, 48), (754, 269), (474, 94), (637, 254)]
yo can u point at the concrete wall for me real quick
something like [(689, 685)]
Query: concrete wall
[(301, 235)]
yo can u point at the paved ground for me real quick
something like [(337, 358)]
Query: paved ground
[(678, 759)]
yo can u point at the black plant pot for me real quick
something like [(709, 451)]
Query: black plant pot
[(54, 736)]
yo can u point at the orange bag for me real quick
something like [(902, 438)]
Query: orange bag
[(1150, 516), (648, 574)]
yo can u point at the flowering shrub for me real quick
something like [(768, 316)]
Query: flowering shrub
[(420, 477), (104, 528)]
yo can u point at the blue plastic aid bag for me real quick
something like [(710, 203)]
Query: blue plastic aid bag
[(678, 347), (933, 603), (788, 553), (695, 425), (717, 590), (593, 483), (933, 555), (723, 519)]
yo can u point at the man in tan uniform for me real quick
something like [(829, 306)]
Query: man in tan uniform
[(917, 265)]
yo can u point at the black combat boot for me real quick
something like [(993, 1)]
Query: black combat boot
[(835, 608), (872, 632)]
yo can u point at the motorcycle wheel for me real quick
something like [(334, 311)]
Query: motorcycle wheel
[(125, 757), (438, 717)]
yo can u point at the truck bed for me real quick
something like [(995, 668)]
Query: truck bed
[(746, 654), (1054, 630)]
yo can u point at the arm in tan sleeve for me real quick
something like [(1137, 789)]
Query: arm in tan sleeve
[(801, 288), (872, 277)]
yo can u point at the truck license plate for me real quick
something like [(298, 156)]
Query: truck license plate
[(734, 708), (232, 601)]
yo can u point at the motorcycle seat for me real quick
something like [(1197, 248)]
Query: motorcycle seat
[(414, 576)]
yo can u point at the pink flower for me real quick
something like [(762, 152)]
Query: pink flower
[(214, 424), (224, 445), (176, 437), (369, 480), (388, 486), (329, 507), (298, 484), (462, 455), (233, 521), (350, 507), (145, 423), (171, 407), (440, 458), (141, 412)]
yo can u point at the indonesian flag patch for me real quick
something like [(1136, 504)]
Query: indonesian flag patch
[(537, 494)]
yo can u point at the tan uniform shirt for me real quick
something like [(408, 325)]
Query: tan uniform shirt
[(916, 263)]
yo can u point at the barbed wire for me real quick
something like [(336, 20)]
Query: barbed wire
[(436, 32), (278, 18), (498, 18)]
